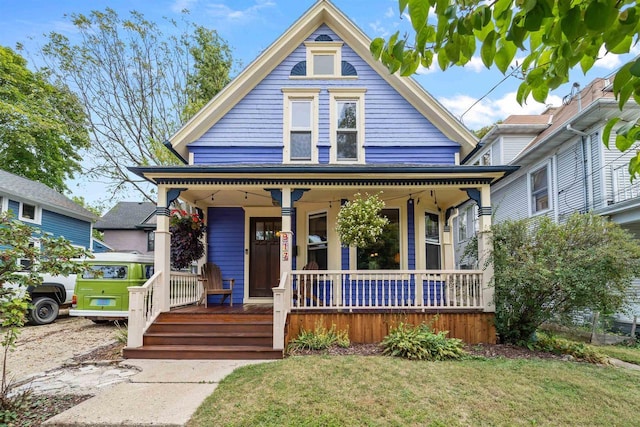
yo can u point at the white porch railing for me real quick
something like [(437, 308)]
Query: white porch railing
[(352, 290), (623, 188), (143, 305)]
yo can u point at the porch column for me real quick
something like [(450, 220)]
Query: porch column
[(286, 235), (485, 247), (162, 252)]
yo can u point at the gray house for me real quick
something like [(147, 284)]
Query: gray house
[(129, 226), (564, 167)]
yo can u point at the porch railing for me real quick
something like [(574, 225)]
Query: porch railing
[(357, 289), (623, 188), (352, 290), (145, 306)]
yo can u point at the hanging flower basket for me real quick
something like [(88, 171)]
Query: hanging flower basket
[(186, 243), (359, 221)]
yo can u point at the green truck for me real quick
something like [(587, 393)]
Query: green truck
[(101, 293)]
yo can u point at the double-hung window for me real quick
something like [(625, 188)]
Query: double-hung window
[(347, 125), (432, 240), (317, 240), (539, 189), (300, 125)]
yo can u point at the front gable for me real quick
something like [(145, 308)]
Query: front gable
[(249, 121)]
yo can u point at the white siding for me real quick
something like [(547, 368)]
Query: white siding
[(512, 201), (571, 182), (512, 146)]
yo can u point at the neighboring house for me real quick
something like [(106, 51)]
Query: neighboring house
[(269, 161), (40, 206), (129, 227), (564, 166)]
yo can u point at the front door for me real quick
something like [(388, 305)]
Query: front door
[(264, 256)]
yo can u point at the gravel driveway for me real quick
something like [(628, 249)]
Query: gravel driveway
[(41, 348)]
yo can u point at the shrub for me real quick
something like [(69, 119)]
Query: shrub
[(578, 350), (320, 338), (421, 343)]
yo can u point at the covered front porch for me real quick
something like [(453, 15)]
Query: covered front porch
[(272, 229)]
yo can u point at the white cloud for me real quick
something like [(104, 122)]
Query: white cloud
[(378, 29), (475, 64), (390, 13), (180, 5), (219, 10), (608, 61), (489, 111)]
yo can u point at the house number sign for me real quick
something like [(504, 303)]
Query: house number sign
[(285, 246)]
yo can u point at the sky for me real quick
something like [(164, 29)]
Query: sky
[(250, 26)]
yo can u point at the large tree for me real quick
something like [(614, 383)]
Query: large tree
[(41, 124), (138, 82), (554, 36)]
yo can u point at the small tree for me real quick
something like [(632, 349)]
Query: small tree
[(544, 270), (54, 256)]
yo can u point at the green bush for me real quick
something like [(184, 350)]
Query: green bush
[(421, 343), (319, 339), (580, 351)]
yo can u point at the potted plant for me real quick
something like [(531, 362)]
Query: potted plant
[(359, 221), (187, 230)]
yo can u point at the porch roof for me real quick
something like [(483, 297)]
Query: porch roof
[(324, 174)]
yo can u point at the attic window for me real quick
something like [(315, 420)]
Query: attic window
[(324, 59)]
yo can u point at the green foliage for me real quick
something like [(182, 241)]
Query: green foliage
[(421, 343), (553, 37), (54, 256), (543, 270), (578, 350), (320, 338), (41, 124), (122, 332), (359, 222), (137, 81)]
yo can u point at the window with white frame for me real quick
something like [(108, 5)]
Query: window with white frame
[(462, 226), (25, 263), (317, 240), (432, 240), (347, 125), (151, 241), (384, 254), (300, 125), (324, 59), (539, 189), (476, 219), (3, 202), (29, 212)]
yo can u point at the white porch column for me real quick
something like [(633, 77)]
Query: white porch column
[(162, 253), (286, 235), (485, 247)]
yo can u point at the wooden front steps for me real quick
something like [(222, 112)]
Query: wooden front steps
[(200, 334)]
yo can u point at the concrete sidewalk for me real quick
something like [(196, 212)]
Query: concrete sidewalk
[(164, 393)]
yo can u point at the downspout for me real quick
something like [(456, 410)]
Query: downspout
[(583, 144), (453, 216)]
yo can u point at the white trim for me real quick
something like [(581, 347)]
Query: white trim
[(99, 314), (346, 94), (324, 48), (252, 212), (293, 95), (4, 203), (544, 164), (422, 239), (36, 244), (303, 243), (37, 213), (403, 241)]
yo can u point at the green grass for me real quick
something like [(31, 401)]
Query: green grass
[(627, 354), (381, 391)]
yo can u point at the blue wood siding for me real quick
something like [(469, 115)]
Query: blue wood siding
[(14, 207), (225, 247), (252, 131), (77, 231), (411, 235), (99, 247)]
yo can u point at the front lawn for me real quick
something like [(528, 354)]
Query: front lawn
[(357, 390), (627, 354)]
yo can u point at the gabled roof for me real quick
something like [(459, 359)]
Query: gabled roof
[(128, 216), (323, 12), (23, 189)]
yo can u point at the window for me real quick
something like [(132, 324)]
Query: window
[(476, 219), (300, 125), (462, 226), (25, 263), (324, 59), (317, 240), (486, 159), (432, 239), (29, 213), (106, 272), (539, 183), (347, 125), (385, 253), (151, 241)]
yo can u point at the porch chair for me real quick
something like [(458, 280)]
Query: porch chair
[(213, 284), (306, 285)]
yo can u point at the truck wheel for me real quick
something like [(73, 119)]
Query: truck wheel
[(44, 311)]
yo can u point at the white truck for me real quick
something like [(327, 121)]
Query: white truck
[(47, 298)]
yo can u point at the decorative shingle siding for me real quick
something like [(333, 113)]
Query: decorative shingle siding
[(78, 232), (225, 246), (252, 131)]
